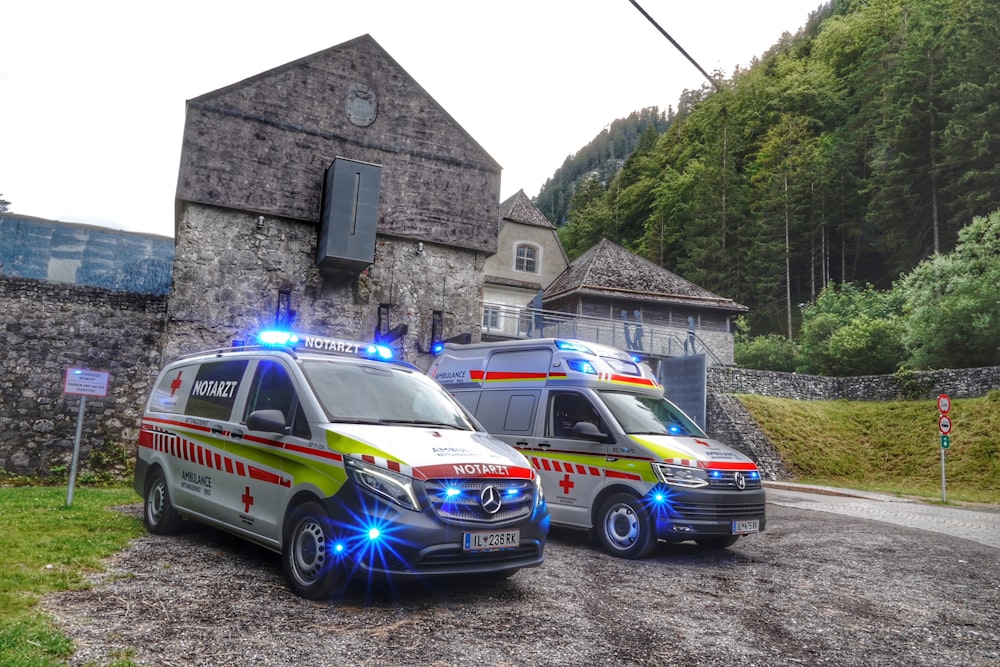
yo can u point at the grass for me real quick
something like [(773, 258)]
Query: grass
[(47, 546), (892, 447)]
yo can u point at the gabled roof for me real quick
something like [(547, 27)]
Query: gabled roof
[(609, 270), (519, 208)]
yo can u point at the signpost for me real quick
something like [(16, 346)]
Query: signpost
[(944, 428), (83, 383)]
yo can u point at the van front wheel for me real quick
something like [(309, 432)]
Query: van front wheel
[(306, 554), (159, 514), (624, 527)]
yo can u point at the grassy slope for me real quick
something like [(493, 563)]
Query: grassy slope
[(893, 446)]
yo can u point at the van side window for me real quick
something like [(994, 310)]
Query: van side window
[(509, 412), (214, 389), (273, 389), (568, 408)]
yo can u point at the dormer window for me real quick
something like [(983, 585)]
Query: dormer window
[(526, 258)]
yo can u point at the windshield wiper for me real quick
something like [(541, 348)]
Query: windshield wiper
[(419, 422)]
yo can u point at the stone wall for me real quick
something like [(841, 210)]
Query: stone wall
[(957, 383), (47, 328), (231, 266), (729, 422)]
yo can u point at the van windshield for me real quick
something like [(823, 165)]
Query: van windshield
[(642, 415), (361, 393)]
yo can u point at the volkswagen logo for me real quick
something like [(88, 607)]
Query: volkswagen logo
[(741, 480), (489, 498)]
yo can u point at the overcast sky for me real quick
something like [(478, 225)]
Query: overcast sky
[(92, 93)]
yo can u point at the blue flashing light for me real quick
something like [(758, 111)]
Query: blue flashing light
[(636, 358), (715, 474), (437, 348), (379, 352), (753, 474), (374, 533), (452, 492), (674, 429), (571, 346), (277, 337), (581, 366), (338, 548), (513, 492)]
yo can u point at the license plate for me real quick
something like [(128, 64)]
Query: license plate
[(492, 541), (746, 526)]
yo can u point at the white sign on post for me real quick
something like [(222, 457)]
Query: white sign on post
[(83, 383)]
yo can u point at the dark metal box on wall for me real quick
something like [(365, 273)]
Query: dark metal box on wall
[(349, 216)]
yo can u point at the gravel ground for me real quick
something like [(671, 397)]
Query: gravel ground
[(815, 589)]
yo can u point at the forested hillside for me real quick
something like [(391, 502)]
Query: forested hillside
[(602, 158), (847, 153)]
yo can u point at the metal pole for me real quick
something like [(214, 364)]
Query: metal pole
[(944, 496), (76, 451)]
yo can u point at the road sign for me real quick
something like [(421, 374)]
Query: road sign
[(944, 403), (944, 424), (945, 441), (82, 382)]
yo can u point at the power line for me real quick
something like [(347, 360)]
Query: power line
[(674, 42)]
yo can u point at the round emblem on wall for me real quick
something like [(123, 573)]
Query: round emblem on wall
[(361, 105)]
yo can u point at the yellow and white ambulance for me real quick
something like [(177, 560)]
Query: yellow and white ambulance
[(346, 463), (616, 458)]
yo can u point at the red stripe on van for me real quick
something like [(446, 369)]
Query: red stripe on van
[(729, 465), (615, 474)]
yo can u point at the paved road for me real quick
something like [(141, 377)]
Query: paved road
[(979, 525)]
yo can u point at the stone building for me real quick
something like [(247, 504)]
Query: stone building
[(333, 194), (529, 256)]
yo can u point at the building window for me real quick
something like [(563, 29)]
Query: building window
[(491, 317), (526, 258)]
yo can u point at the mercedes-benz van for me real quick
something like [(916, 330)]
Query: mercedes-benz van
[(344, 462)]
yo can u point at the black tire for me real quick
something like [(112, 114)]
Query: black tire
[(159, 514), (624, 527), (720, 542), (305, 553)]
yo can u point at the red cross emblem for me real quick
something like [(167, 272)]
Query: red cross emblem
[(566, 484), (247, 501), (176, 384)]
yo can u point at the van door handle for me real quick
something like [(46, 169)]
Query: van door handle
[(217, 430), (544, 445), (237, 434), (521, 443)]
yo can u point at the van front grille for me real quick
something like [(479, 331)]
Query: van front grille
[(469, 500)]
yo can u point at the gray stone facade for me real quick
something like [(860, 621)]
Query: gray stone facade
[(48, 328)]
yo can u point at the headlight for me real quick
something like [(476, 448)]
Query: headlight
[(385, 483), (680, 475), (539, 495)]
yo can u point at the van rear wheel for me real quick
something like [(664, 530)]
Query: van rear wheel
[(624, 527), (306, 553), (158, 513)]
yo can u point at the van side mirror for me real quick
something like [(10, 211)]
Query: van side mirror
[(587, 431), (269, 421)]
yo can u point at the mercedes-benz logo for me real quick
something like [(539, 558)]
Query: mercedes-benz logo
[(741, 480), (489, 497)]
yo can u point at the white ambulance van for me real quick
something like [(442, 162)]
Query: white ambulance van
[(346, 463), (616, 458)]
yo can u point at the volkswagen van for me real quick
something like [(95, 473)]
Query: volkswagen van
[(616, 458)]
